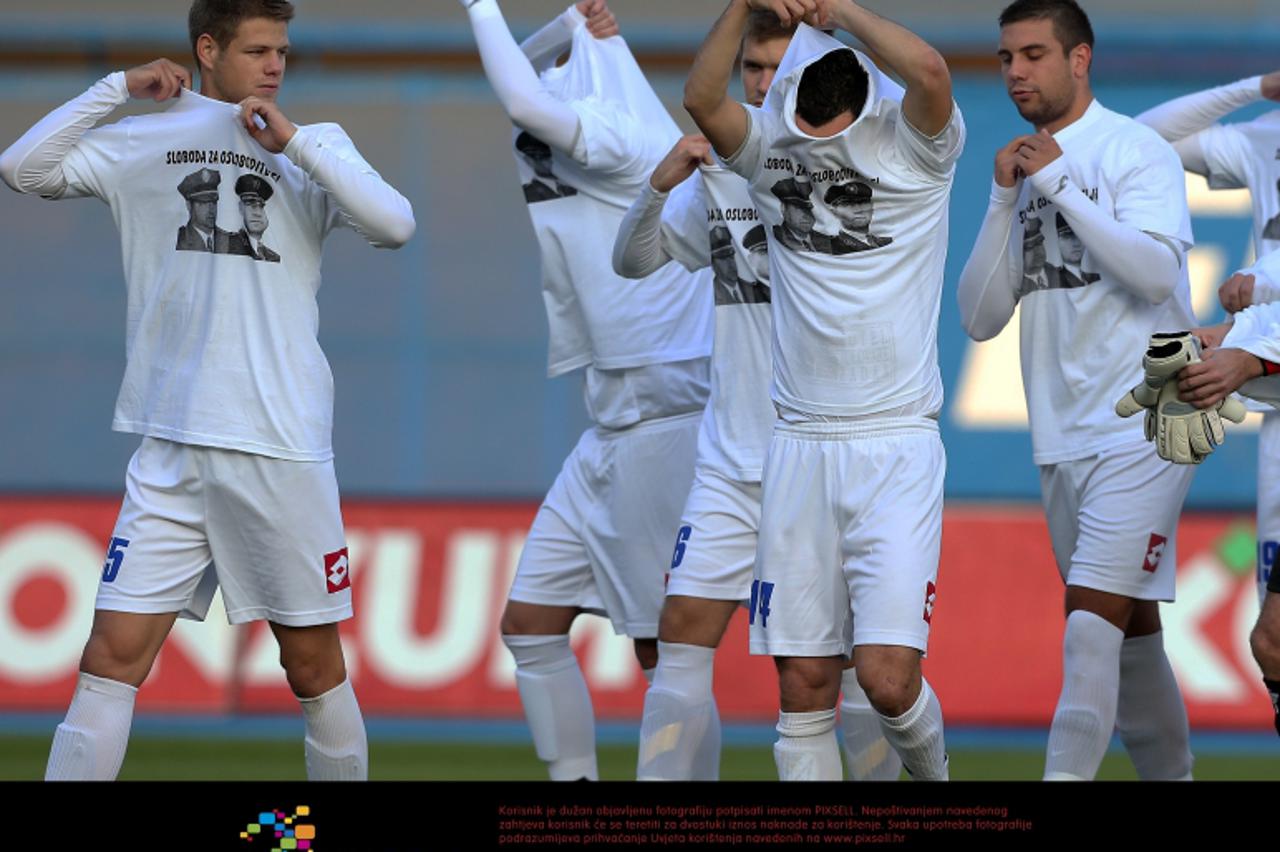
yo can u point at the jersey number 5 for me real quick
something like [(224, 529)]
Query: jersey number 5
[(115, 555)]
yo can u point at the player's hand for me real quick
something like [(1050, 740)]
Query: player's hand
[(159, 80), (1237, 293), (680, 162), (1036, 152), (1217, 376), (1008, 172), (1271, 86), (600, 20), (276, 131), (791, 12), (1211, 336)]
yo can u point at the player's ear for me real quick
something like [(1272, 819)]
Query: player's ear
[(1081, 59), (207, 51)]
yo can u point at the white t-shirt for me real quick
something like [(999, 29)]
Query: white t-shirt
[(1082, 342), (714, 206), (220, 340), (1247, 156), (596, 317), (856, 303)]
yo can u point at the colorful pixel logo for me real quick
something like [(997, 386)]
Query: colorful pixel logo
[(286, 832)]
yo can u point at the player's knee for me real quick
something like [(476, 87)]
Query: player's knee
[(122, 658), (1265, 645), (891, 689), (312, 672), (524, 619), (808, 683)]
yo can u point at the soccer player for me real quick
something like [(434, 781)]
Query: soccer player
[(1234, 156), (851, 507), (233, 484), (1249, 349), (702, 214), (598, 543), (1112, 504)]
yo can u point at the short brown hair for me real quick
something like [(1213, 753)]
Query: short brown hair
[(1071, 25), (763, 25), (221, 18)]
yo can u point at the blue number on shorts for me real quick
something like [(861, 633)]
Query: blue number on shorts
[(1267, 551), (681, 537), (115, 555), (760, 595)]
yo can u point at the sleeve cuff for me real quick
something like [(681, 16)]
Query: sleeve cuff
[(1003, 194), (1052, 180), (574, 19)]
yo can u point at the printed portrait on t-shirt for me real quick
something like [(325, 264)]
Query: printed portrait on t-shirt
[(200, 189), (728, 283), (201, 232), (796, 231), (756, 246), (1071, 250), (1272, 229), (544, 186), (851, 203), (1059, 264)]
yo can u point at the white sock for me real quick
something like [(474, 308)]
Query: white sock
[(1086, 713), (1150, 715), (648, 675), (557, 705), (336, 746), (806, 749), (89, 744), (916, 736), (680, 731), (868, 755)]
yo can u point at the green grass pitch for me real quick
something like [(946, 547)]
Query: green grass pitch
[(190, 759)]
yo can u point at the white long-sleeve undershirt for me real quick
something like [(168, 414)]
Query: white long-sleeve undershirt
[(513, 78), (545, 46), (638, 250), (988, 290), (33, 164), (1181, 119), (1147, 265)]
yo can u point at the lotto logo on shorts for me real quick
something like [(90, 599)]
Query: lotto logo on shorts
[(283, 831), (337, 571), (930, 597), (1155, 549)]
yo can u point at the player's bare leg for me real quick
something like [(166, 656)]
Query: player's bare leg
[(680, 731), (909, 711), (557, 704), (90, 743), (1150, 715), (808, 689), (1265, 643), (336, 745)]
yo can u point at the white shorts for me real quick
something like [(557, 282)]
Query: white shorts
[(600, 539), (1113, 519), (268, 531), (1268, 500), (850, 534), (716, 543)]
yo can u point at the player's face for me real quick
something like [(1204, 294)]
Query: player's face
[(798, 218), (760, 61), (252, 64), (255, 217), (1071, 247), (1038, 74), (204, 213), (542, 166), (854, 217), (759, 259)]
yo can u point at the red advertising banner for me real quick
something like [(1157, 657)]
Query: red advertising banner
[(430, 581)]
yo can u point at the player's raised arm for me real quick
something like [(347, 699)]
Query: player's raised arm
[(645, 238), (928, 102), (988, 291), (706, 93), (33, 164), (1181, 120), (512, 74)]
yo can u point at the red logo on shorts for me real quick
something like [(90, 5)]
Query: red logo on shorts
[(1155, 549), (337, 571), (930, 597)]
